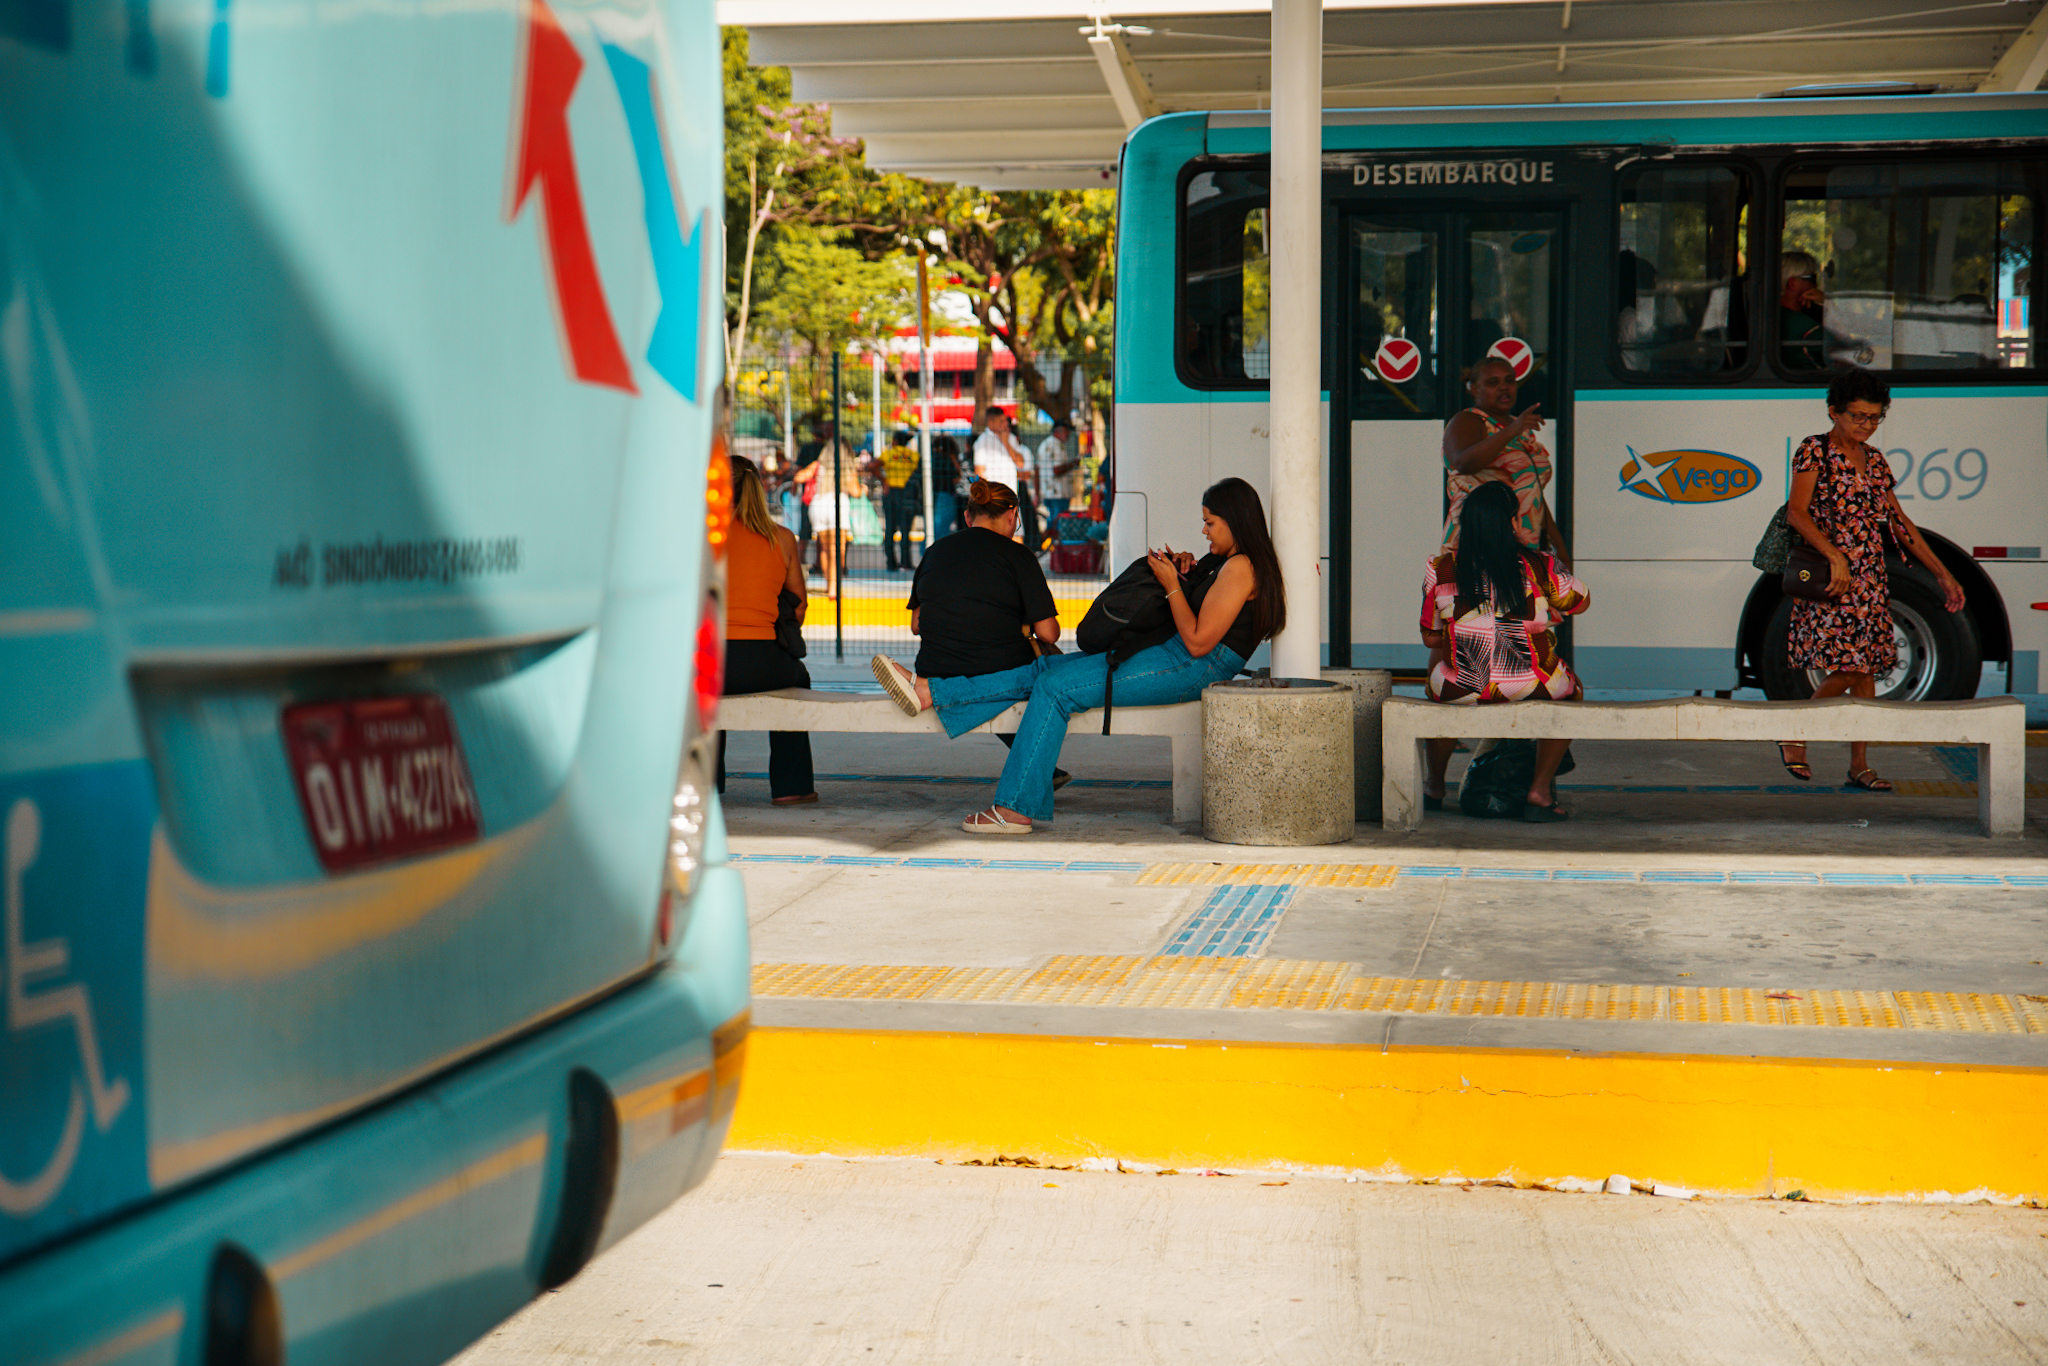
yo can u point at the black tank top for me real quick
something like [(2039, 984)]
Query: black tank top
[(1243, 636)]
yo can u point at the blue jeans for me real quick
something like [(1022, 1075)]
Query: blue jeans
[(1059, 686)]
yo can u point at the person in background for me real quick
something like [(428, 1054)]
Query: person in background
[(1842, 503), (1489, 443), (945, 491), (831, 471), (1802, 340), (1488, 609), (1239, 600), (997, 457), (761, 561), (1055, 463), (902, 493)]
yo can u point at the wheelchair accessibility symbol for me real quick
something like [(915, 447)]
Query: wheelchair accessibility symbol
[(38, 999)]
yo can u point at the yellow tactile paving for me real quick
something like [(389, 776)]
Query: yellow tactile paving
[(1269, 875), (1290, 984)]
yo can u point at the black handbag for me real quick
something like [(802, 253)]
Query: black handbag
[(1806, 572), (788, 633)]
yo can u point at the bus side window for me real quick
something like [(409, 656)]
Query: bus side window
[(1681, 271), (1225, 286), (1921, 264)]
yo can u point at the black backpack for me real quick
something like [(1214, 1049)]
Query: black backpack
[(1132, 615), (1496, 783)]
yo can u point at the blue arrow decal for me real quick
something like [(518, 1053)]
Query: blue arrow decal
[(673, 349)]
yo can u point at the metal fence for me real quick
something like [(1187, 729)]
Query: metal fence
[(780, 402)]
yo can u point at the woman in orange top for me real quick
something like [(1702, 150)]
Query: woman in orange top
[(761, 560)]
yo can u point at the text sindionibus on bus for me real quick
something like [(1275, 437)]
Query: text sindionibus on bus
[(371, 957), (1627, 260)]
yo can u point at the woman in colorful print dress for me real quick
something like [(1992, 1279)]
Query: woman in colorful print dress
[(1488, 609), (1842, 502), (1488, 443)]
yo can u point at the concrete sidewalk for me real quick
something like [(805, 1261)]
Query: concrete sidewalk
[(1700, 906)]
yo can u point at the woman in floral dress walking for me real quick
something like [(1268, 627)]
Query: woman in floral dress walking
[(1842, 502)]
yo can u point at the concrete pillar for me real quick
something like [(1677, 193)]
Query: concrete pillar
[(1369, 688), (1296, 345), (1276, 762)]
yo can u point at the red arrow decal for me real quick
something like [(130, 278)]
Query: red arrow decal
[(553, 67)]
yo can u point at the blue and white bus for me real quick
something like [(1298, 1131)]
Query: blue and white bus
[(1627, 259), (370, 955)]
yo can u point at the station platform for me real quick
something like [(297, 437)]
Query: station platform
[(1712, 979)]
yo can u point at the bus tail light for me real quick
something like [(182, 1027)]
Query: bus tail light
[(710, 670), (718, 498)]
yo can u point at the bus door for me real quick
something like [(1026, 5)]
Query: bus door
[(1422, 294)]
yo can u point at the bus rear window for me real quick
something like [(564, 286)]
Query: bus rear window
[(1226, 275), (1925, 265), (1678, 297)]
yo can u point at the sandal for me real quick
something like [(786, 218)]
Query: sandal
[(1060, 778), (899, 682), (1798, 768), (798, 800), (1430, 803), (989, 821), (1866, 780), (1537, 814)]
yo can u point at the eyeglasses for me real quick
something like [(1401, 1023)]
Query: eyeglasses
[(1810, 279), (1863, 419)]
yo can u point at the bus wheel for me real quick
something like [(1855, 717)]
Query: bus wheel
[(1940, 659)]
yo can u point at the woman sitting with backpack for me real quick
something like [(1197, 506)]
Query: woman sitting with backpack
[(1221, 606), (1487, 612)]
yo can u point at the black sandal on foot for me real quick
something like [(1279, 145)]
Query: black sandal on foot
[(1430, 803), (1537, 814), (1866, 780), (1798, 768)]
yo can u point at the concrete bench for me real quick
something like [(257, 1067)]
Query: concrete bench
[(1997, 726), (810, 710)]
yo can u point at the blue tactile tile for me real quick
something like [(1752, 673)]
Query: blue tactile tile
[(1958, 880), (2026, 880), (859, 861), (1592, 875), (1022, 865), (1235, 922), (1776, 879), (1673, 875), (1865, 879), (942, 862), (1515, 874), (778, 858), (1430, 870)]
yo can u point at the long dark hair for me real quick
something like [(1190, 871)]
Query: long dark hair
[(1237, 503), (1489, 554)]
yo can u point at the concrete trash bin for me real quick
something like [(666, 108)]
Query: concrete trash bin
[(1369, 688), (1277, 762)]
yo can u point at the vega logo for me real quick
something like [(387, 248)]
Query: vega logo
[(1688, 476)]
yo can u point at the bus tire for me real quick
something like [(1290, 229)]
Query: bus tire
[(1940, 658)]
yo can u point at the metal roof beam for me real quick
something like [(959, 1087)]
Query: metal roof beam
[(1127, 87), (2025, 63)]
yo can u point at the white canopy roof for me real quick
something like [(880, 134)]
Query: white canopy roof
[(1039, 93)]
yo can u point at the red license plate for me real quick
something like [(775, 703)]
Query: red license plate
[(379, 778)]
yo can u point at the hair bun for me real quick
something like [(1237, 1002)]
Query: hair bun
[(978, 492)]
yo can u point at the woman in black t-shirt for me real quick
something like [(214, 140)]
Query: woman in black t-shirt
[(974, 594)]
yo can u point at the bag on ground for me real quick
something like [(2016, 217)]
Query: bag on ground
[(1496, 783)]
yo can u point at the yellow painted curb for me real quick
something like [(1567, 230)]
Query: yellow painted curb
[(1737, 1125)]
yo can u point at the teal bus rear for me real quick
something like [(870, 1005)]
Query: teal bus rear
[(370, 955), (1627, 259)]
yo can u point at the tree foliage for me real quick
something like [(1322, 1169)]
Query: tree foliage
[(814, 238)]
